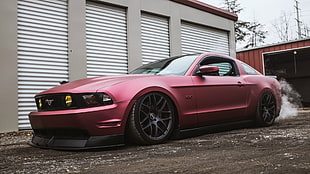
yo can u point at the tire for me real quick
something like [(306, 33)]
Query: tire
[(266, 110), (152, 119)]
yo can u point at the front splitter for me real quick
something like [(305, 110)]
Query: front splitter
[(93, 142)]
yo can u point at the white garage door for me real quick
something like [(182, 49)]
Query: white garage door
[(42, 51), (106, 40), (155, 38), (199, 39)]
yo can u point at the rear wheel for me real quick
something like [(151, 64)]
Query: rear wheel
[(152, 119), (266, 110)]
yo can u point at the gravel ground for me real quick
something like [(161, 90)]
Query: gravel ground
[(281, 148)]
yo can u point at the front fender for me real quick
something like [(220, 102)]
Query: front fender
[(145, 91)]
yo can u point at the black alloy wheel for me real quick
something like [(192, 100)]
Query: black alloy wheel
[(266, 109), (152, 119)]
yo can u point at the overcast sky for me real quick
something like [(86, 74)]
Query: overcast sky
[(267, 12)]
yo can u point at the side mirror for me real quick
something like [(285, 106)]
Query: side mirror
[(208, 70)]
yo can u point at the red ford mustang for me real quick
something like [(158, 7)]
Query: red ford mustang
[(153, 102)]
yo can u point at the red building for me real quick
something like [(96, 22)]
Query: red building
[(288, 60)]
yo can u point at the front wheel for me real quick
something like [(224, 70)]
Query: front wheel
[(152, 119), (266, 110)]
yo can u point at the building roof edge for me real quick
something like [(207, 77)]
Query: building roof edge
[(208, 8), (273, 44)]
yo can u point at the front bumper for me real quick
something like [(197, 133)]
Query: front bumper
[(77, 144), (78, 129)]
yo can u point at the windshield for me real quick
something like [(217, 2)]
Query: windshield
[(171, 66)]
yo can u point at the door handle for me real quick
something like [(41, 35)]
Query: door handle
[(240, 84)]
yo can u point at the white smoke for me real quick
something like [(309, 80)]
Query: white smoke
[(290, 101)]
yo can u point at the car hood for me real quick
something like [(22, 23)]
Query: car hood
[(93, 84)]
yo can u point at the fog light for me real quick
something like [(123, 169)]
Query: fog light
[(68, 100), (40, 103)]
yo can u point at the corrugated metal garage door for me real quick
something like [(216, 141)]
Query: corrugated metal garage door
[(155, 38), (199, 39), (42, 51), (106, 40)]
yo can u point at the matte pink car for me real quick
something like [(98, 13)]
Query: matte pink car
[(153, 102)]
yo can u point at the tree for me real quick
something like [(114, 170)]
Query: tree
[(282, 26), (234, 7), (240, 30), (306, 31), (250, 32), (256, 34), (285, 30)]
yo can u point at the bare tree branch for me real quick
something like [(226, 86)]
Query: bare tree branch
[(282, 26)]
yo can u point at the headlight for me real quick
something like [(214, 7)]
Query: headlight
[(97, 99), (106, 98)]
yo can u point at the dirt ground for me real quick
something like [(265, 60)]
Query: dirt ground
[(282, 148)]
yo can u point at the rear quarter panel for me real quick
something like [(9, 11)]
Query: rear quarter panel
[(259, 84)]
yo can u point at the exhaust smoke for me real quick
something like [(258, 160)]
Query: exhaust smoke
[(291, 100)]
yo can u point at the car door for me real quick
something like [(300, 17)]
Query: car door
[(220, 97)]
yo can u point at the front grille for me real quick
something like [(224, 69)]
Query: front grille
[(59, 101), (62, 133), (52, 102)]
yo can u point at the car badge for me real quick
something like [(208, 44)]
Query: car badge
[(49, 102)]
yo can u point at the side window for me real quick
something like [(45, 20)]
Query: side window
[(224, 68), (227, 67), (249, 70)]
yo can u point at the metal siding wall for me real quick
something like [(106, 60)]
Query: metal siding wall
[(199, 39), (254, 57), (42, 51), (106, 40), (155, 38)]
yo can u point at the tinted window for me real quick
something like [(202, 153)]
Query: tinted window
[(249, 70), (226, 66), (171, 66)]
